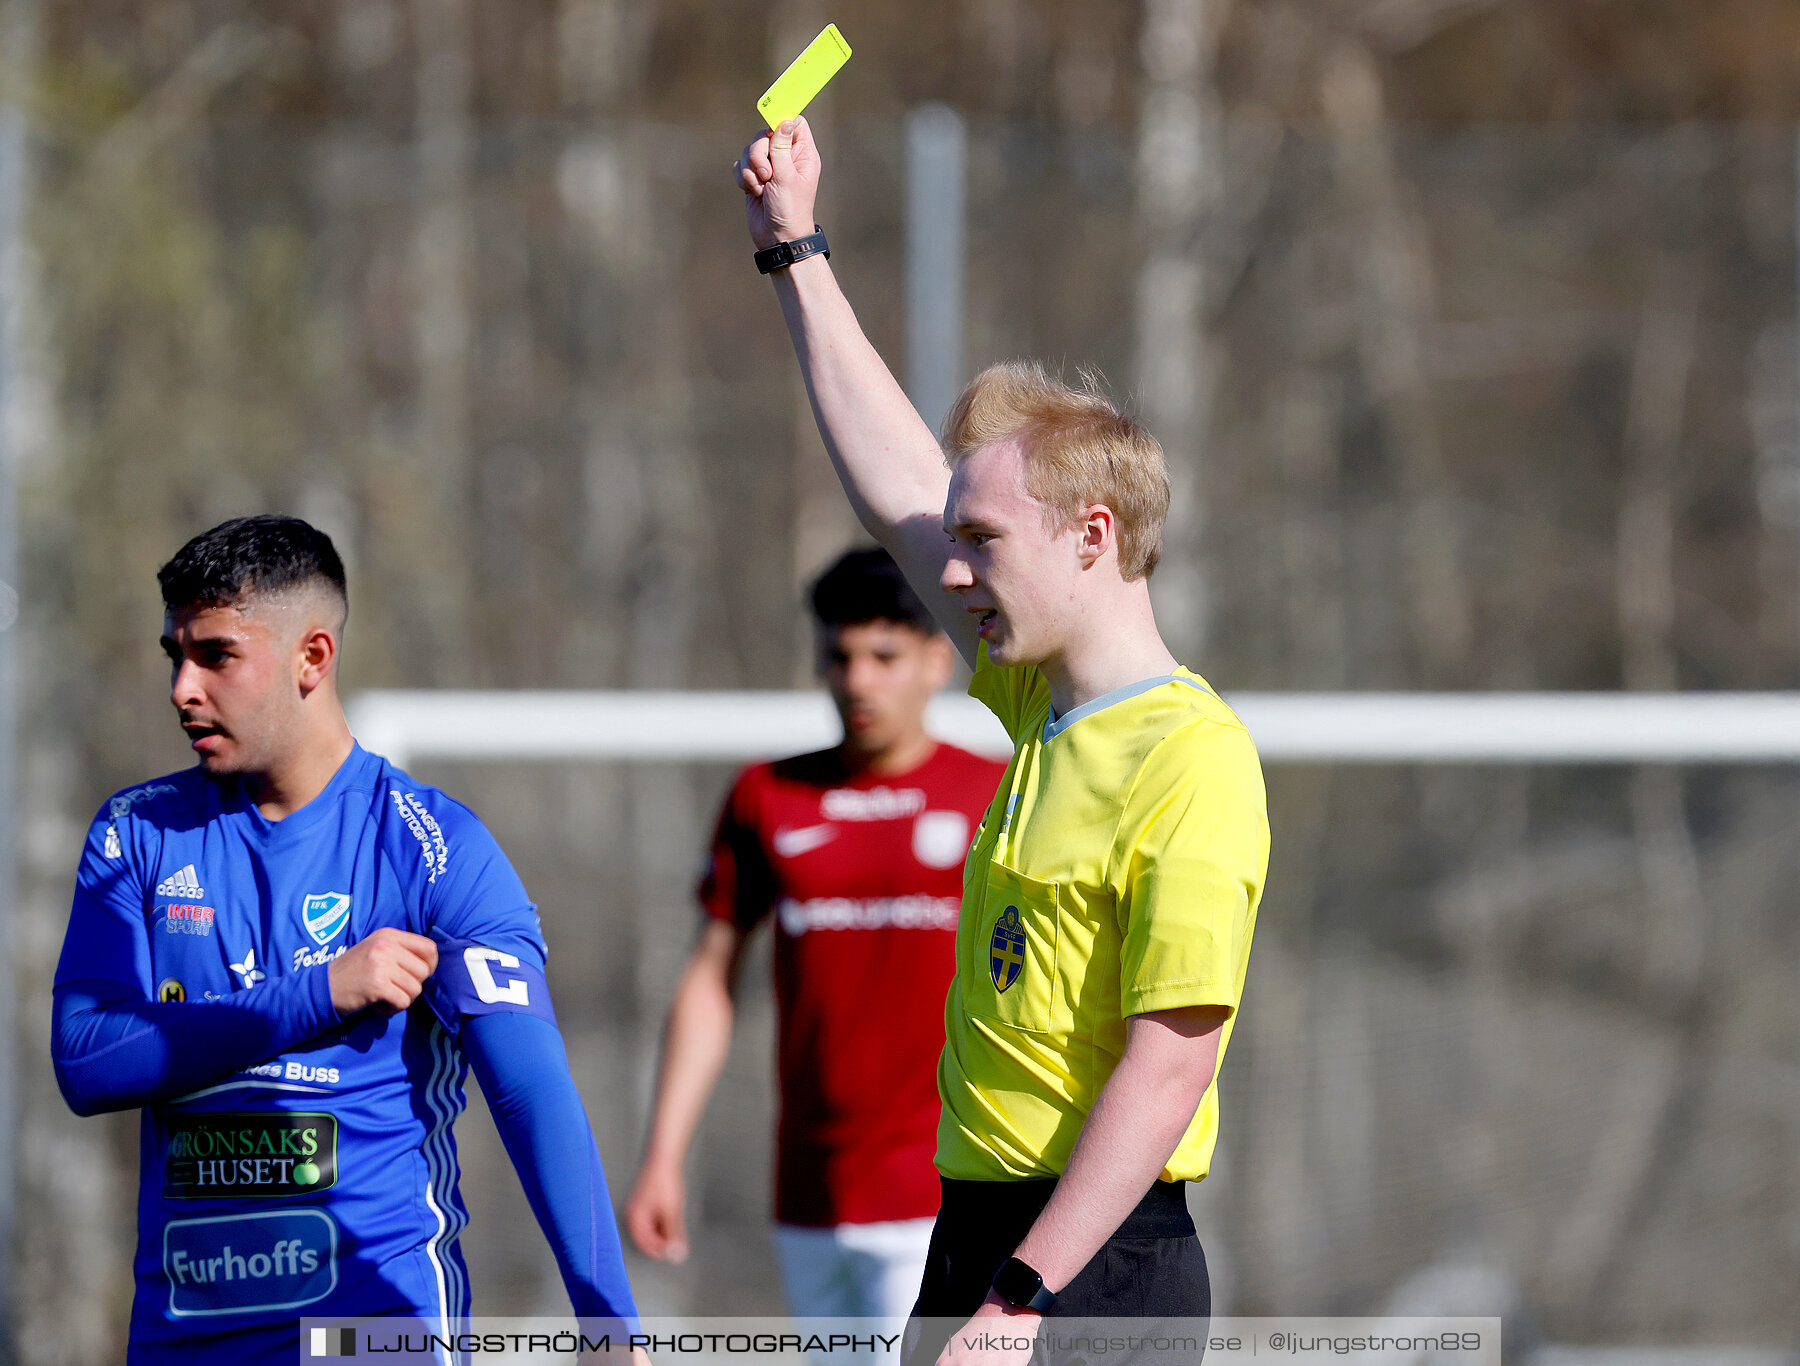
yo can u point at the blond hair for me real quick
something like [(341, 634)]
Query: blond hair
[(1079, 450)]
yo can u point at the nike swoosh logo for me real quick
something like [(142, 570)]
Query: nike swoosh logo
[(793, 843)]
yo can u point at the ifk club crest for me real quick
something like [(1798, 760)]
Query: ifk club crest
[(1006, 949), (324, 914)]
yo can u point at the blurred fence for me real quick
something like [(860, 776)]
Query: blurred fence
[(1499, 407)]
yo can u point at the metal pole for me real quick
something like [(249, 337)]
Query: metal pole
[(936, 214), (17, 44)]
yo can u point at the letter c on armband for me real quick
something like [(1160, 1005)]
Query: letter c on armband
[(476, 959)]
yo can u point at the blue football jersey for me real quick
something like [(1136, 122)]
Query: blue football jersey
[(322, 1181)]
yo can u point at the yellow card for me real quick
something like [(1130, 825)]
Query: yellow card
[(794, 88)]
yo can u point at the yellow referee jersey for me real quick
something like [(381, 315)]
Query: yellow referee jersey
[(1117, 872)]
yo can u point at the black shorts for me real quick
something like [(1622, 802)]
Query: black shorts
[(1152, 1268)]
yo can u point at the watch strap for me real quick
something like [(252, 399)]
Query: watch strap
[(784, 254)]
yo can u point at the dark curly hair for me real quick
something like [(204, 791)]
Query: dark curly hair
[(866, 585), (248, 556)]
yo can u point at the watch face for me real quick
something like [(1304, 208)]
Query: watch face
[(1017, 1283)]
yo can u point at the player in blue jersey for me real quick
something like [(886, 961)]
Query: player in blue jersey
[(290, 956)]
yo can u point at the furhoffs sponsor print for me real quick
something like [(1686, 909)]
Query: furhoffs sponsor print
[(247, 1263)]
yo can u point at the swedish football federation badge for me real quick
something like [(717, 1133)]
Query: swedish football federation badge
[(1006, 949), (324, 914)]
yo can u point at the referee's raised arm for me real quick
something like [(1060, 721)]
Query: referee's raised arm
[(890, 463)]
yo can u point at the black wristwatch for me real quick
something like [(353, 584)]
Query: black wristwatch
[(784, 254), (1020, 1286)]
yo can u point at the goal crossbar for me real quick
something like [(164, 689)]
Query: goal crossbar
[(1303, 728)]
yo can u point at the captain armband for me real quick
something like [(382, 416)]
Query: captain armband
[(475, 979)]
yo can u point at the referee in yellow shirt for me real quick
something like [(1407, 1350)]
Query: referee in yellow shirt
[(1111, 892)]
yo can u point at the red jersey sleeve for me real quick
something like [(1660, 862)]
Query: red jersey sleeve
[(738, 886)]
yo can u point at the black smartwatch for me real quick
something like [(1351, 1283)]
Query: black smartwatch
[(784, 254), (1020, 1286)]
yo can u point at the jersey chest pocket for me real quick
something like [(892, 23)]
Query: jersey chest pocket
[(1011, 969)]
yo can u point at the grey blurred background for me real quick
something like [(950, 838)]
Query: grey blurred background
[(1469, 326)]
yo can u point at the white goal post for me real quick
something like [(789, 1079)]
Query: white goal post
[(1307, 728)]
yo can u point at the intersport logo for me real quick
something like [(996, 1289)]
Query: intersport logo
[(183, 918)]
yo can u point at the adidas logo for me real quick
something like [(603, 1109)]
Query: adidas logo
[(182, 883)]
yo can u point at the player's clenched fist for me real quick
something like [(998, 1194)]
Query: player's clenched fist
[(779, 175), (387, 969)]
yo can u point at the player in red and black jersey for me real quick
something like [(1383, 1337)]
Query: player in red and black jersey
[(855, 854)]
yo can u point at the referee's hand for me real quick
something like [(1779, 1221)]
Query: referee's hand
[(388, 969), (779, 175)]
